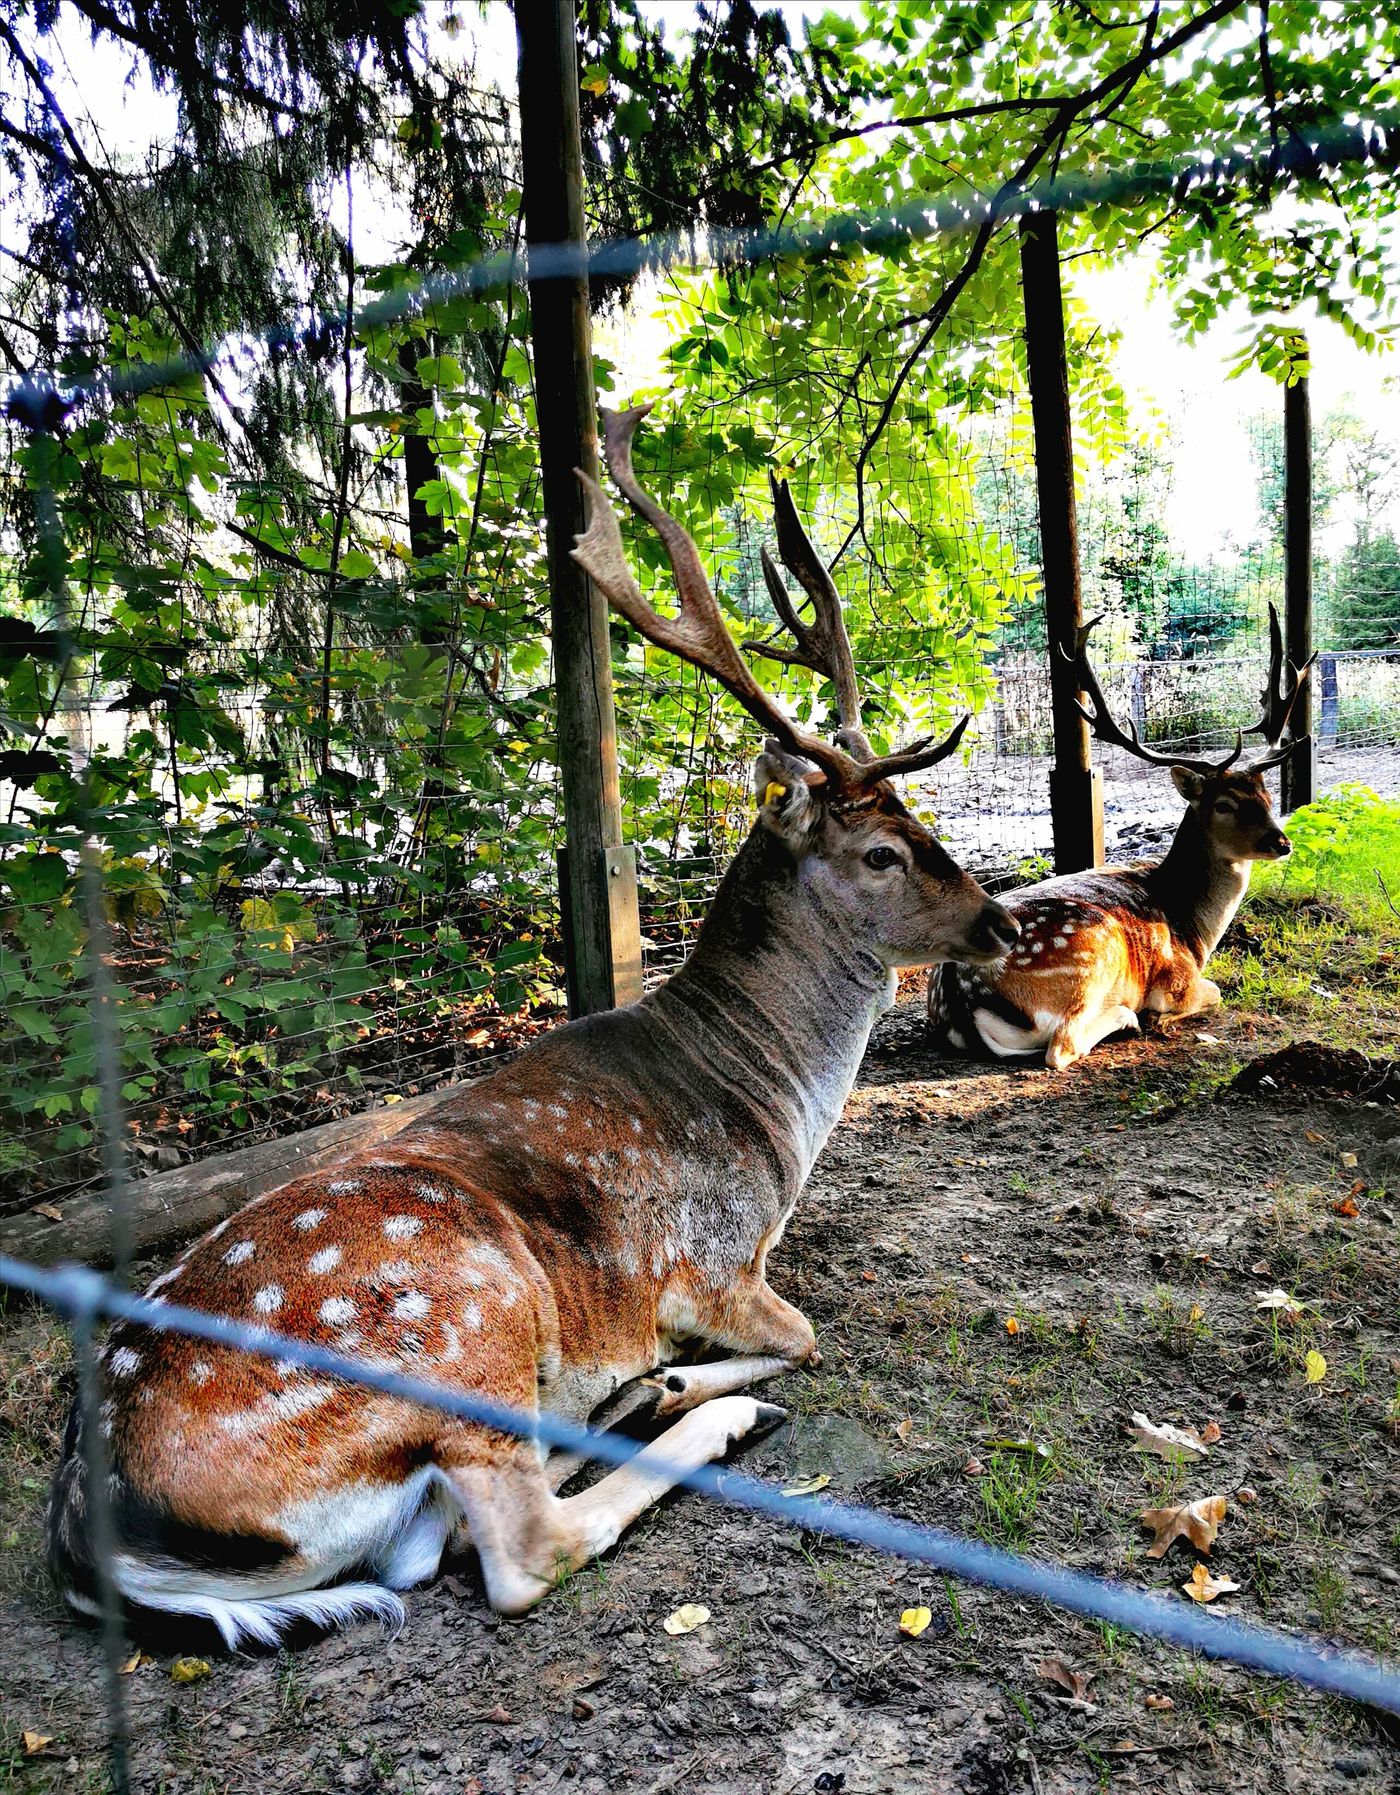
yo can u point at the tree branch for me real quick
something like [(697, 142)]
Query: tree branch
[(1052, 138)]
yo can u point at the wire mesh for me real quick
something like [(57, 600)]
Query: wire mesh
[(331, 874)]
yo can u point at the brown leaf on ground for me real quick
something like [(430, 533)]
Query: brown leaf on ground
[(1074, 1682), (1179, 1445), (1197, 1522), (1202, 1587), (34, 1743), (1162, 1703)]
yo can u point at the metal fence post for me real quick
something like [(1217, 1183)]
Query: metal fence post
[(1298, 774), (602, 933), (1076, 793)]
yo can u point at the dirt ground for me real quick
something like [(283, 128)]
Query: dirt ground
[(1126, 1216)]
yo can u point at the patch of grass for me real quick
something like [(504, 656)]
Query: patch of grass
[(1179, 1323), (1010, 1494), (1330, 1592), (1318, 946)]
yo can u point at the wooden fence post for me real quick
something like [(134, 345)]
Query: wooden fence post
[(598, 885), (1298, 774), (1076, 792)]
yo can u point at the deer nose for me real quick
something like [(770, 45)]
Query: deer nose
[(1280, 845), (994, 932)]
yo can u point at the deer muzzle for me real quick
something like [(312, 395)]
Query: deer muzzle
[(993, 933)]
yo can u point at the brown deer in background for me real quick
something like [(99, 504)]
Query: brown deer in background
[(602, 1206), (1097, 948)]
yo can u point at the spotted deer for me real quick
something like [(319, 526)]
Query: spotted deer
[(602, 1207), (1098, 948)]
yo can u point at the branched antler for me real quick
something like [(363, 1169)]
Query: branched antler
[(1280, 694), (823, 644), (698, 633)]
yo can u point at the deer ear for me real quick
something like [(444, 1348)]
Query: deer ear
[(787, 791), (1189, 784)]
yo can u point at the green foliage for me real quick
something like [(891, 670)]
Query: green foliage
[(1347, 843), (297, 687)]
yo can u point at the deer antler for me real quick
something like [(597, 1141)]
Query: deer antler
[(822, 645), (1278, 707), (699, 634), (1282, 684)]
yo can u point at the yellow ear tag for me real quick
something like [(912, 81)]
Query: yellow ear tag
[(773, 791)]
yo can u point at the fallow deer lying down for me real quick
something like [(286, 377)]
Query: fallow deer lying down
[(1098, 948), (602, 1206)]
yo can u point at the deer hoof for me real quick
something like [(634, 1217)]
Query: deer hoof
[(769, 1416)]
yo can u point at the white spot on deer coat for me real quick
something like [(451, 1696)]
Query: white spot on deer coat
[(337, 1310), (309, 1218), (343, 1187), (124, 1362), (267, 1300), (286, 1405), (240, 1254), (201, 1372), (326, 1260), (471, 1316), (402, 1227), (412, 1306)]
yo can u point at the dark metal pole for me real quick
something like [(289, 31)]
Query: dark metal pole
[(1298, 774), (1076, 796), (598, 877)]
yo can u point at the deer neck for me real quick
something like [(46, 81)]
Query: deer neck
[(776, 998), (1198, 889)]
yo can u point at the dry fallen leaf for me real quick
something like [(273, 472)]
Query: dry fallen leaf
[(808, 1486), (1198, 1522), (1179, 1445), (904, 1430), (1311, 1134), (1012, 1325), (1162, 1703), (1244, 1495), (34, 1743), (1346, 1206), (1210, 1433), (1349, 1161), (135, 1662), (1315, 1367), (914, 1621), (1287, 1305), (1075, 1683), (1202, 1587), (48, 1211), (189, 1670), (686, 1618)]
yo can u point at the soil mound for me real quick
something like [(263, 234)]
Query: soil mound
[(1322, 1072)]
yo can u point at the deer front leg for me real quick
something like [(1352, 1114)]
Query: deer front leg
[(771, 1337), (529, 1539), (1078, 1034)]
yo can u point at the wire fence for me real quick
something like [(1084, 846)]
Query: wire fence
[(333, 876)]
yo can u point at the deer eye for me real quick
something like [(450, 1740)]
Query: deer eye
[(881, 857)]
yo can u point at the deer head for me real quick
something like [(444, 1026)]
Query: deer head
[(831, 805), (1228, 796)]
